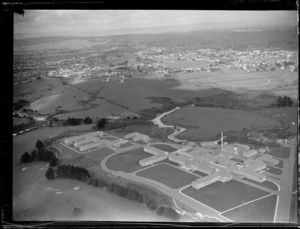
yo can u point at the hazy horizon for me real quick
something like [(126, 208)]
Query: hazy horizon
[(38, 23)]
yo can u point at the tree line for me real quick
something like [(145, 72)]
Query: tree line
[(77, 121), (284, 101), (40, 153)]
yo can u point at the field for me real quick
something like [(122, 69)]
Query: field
[(165, 147), (168, 175), (262, 210), (279, 165), (37, 199), (267, 184), (276, 82), (281, 152), (237, 193), (127, 162), (207, 122), (100, 154)]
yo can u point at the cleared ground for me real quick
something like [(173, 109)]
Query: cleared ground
[(127, 162), (207, 122), (165, 147), (267, 184), (168, 175), (280, 152), (262, 210), (237, 193)]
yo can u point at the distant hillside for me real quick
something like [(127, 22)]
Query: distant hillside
[(41, 40), (283, 38)]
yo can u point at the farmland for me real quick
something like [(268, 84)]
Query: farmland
[(206, 122)]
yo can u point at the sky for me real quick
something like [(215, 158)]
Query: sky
[(39, 22)]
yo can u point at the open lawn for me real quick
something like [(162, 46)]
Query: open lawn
[(259, 211), (280, 152), (99, 154), (37, 199), (207, 122), (168, 175), (237, 193), (127, 162), (164, 147), (267, 184)]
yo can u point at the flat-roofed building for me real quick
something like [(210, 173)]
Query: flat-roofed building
[(262, 150), (78, 143), (73, 139), (249, 153), (212, 143), (268, 159), (153, 159), (251, 175), (90, 146), (137, 136), (223, 176), (118, 143)]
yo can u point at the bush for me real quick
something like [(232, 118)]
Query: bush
[(25, 158), (50, 175)]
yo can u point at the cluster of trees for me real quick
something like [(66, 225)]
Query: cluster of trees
[(68, 171), (78, 121), (40, 154), (101, 123), (284, 101), (20, 104)]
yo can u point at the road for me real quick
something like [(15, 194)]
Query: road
[(284, 202)]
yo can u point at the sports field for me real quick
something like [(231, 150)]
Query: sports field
[(262, 210), (99, 154), (281, 152), (267, 184), (164, 147), (168, 175), (236, 192), (128, 161)]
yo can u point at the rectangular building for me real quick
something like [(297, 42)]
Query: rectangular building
[(153, 159), (73, 139), (78, 143), (90, 146)]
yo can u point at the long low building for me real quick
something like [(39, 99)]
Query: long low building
[(153, 159), (190, 162), (137, 136), (204, 181), (77, 144), (268, 159), (73, 139), (90, 146)]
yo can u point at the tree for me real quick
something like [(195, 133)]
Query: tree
[(53, 161), (50, 175), (87, 120), (152, 205), (33, 155), (39, 144), (25, 158), (101, 123), (171, 213)]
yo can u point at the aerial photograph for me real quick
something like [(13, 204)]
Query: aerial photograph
[(155, 116)]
